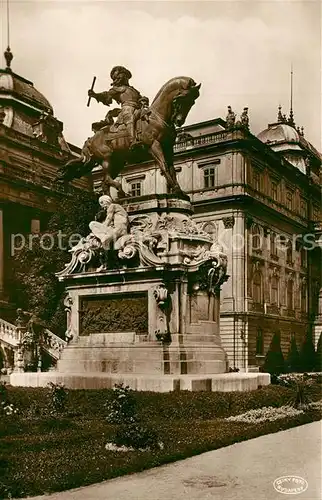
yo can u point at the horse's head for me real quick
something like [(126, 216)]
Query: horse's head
[(186, 96), (175, 99)]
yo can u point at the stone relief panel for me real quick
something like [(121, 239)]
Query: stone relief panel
[(114, 313)]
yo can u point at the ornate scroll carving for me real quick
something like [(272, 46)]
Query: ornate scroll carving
[(160, 294), (229, 222), (68, 302)]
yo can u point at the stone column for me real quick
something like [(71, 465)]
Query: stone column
[(1, 255)]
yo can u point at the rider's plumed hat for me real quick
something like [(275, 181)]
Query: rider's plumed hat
[(120, 68)]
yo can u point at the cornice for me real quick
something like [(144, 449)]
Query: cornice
[(21, 141)]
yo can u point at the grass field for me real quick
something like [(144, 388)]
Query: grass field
[(42, 452)]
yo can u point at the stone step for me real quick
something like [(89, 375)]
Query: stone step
[(188, 352), (156, 383), (192, 366)]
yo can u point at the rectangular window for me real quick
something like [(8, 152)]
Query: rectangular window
[(209, 177), (273, 244), (274, 190), (289, 252), (136, 189), (303, 297), (257, 288), (274, 291), (303, 208), (289, 295), (289, 199), (256, 179), (303, 256)]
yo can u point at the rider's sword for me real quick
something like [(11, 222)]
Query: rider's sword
[(92, 88)]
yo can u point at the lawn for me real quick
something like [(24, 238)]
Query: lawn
[(43, 451)]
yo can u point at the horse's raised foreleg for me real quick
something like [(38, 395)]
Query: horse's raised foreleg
[(157, 153)]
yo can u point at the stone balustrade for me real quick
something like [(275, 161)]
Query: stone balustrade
[(54, 345), (8, 333), (202, 140)]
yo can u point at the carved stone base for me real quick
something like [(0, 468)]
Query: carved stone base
[(113, 353), (153, 309), (143, 321)]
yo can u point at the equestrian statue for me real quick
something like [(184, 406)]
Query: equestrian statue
[(135, 126)]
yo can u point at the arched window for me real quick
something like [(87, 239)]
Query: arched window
[(256, 238), (257, 287), (274, 291), (259, 342), (289, 294)]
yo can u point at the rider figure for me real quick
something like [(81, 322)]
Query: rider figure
[(124, 94)]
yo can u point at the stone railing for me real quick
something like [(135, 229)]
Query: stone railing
[(53, 344), (8, 333), (273, 309), (202, 140), (257, 307)]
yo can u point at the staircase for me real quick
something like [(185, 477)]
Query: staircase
[(10, 339), (8, 334)]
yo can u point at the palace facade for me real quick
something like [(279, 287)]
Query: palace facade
[(261, 198), (32, 147)]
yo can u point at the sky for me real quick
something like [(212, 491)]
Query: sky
[(240, 51)]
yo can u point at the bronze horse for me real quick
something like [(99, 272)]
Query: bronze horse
[(111, 149)]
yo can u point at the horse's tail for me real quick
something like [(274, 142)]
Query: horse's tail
[(77, 167)]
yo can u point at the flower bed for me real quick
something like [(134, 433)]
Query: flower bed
[(265, 414)]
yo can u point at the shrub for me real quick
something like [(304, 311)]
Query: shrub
[(3, 392), (300, 397), (121, 408), (57, 396), (136, 436), (307, 355), (293, 357), (274, 359)]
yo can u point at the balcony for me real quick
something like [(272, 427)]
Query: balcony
[(203, 140), (290, 313), (273, 309), (256, 307)]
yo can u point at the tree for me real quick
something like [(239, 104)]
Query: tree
[(293, 357), (35, 286), (318, 355), (274, 359), (307, 354)]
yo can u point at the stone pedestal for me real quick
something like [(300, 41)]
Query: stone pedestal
[(155, 313), (146, 312), (118, 325)]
